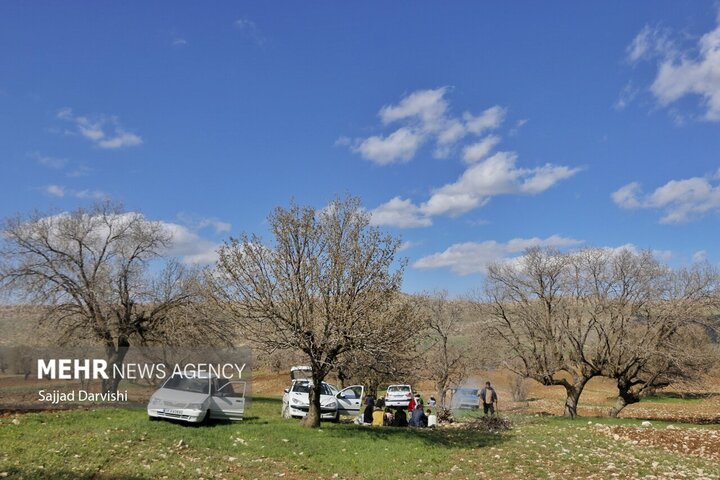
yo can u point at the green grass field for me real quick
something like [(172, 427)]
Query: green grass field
[(123, 444)]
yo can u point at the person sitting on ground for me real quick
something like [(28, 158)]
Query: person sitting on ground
[(388, 421), (378, 417), (431, 419), (399, 419), (489, 398), (432, 401), (369, 407), (418, 418)]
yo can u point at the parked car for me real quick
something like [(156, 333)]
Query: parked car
[(197, 398), (466, 398), (398, 395), (333, 402)]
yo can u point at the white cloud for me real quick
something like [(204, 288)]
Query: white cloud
[(475, 257), (102, 130), (47, 161), (680, 73), (478, 151), (89, 194), (496, 175), (189, 245), (429, 106), (407, 245), (60, 192), (195, 222), (55, 190), (699, 256), (626, 196), (250, 30), (121, 139), (627, 95), (423, 117), (81, 171), (400, 145), (680, 200), (179, 42), (399, 213), (490, 119), (649, 43)]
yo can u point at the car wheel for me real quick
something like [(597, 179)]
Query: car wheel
[(206, 420), (153, 419), (336, 418)]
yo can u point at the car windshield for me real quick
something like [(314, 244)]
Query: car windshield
[(398, 389), (468, 392), (186, 384), (304, 387)]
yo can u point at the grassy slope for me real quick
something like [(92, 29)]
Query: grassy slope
[(109, 443)]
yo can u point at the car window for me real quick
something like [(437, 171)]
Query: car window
[(304, 387), (301, 387), (352, 393), (224, 387), (185, 384), (398, 389)]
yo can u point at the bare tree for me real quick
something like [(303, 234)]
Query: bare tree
[(447, 358), (652, 322), (90, 270), (532, 307), (567, 317), (328, 285)]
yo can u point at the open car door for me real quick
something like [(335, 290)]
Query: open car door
[(228, 400), (349, 400)]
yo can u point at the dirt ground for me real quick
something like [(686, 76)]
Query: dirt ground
[(699, 442)]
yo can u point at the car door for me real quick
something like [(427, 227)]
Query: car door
[(349, 400), (228, 400)]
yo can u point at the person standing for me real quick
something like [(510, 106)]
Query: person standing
[(489, 398), (411, 404)]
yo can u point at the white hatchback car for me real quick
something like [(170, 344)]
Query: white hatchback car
[(197, 398), (333, 403), (398, 395)]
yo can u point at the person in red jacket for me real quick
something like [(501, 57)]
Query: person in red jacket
[(411, 404)]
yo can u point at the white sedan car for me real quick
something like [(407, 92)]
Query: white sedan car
[(333, 403), (398, 395), (197, 398)]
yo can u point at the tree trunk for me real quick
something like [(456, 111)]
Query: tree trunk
[(115, 357), (625, 397), (312, 419), (441, 392), (341, 377), (372, 389), (573, 392)]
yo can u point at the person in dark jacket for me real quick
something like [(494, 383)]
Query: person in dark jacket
[(399, 419), (370, 406), (418, 417), (488, 397)]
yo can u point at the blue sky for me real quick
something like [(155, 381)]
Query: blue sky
[(471, 129)]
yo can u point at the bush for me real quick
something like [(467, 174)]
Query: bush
[(490, 424), (444, 414)]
